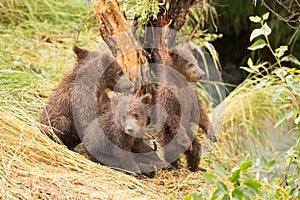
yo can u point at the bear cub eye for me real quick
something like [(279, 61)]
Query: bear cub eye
[(136, 116), (190, 65), (120, 73)]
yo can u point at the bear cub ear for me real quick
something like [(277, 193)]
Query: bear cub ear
[(80, 53), (185, 47), (173, 52), (146, 99)]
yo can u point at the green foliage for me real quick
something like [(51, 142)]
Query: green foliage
[(45, 15), (283, 19), (269, 96), (238, 184), (288, 79), (251, 178), (36, 48), (245, 181), (197, 22), (143, 10)]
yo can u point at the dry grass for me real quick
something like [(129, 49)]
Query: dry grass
[(32, 166)]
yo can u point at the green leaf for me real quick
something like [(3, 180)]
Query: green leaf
[(287, 116), (291, 81), (267, 30), (226, 197), (266, 16), (245, 176), (210, 178), (217, 193), (247, 69), (246, 165), (235, 175), (296, 162), (255, 68), (193, 197), (220, 170), (237, 193), (197, 197), (248, 193), (253, 185), (270, 165), (279, 122), (256, 32), (255, 19), (250, 62), (280, 51), (222, 186), (189, 197), (204, 193), (284, 106), (281, 73), (259, 44)]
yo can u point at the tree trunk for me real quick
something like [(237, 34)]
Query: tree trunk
[(164, 28), (115, 31)]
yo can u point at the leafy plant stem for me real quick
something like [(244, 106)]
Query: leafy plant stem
[(294, 99), (273, 53), (286, 172)]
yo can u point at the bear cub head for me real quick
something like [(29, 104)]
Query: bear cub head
[(131, 113), (182, 60), (112, 77)]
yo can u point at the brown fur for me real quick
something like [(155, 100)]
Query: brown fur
[(79, 94), (176, 135), (115, 138)]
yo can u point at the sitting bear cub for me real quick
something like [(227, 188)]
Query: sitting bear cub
[(115, 138), (80, 93)]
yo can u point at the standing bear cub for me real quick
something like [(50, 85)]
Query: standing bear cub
[(79, 94), (182, 106), (115, 138)]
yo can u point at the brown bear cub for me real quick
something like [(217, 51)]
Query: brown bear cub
[(115, 138), (79, 94), (179, 99)]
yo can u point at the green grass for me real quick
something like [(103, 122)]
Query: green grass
[(248, 115), (36, 42)]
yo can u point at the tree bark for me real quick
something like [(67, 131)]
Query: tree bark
[(169, 20), (115, 31)]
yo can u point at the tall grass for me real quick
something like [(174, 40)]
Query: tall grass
[(37, 15), (248, 117)]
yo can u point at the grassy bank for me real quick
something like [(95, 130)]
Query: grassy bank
[(35, 54), (36, 43)]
